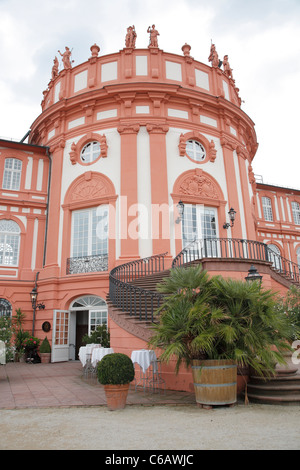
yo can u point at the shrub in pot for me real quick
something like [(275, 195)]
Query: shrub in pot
[(115, 371), (216, 319), (45, 351)]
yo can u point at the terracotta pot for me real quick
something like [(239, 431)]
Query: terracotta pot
[(116, 396), (45, 358), (215, 382)]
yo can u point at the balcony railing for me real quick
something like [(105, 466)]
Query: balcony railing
[(87, 264), (237, 249)]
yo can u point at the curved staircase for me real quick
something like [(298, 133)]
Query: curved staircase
[(282, 389)]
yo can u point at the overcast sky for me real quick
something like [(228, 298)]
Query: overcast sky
[(261, 38)]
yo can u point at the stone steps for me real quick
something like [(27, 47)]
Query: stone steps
[(284, 388)]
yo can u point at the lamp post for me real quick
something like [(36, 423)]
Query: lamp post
[(253, 275), (33, 297)]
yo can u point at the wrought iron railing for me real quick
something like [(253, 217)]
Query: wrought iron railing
[(236, 249), (87, 264), (142, 303), (134, 300)]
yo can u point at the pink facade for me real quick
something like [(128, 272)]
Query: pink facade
[(121, 139)]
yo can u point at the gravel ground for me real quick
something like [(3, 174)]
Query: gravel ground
[(252, 427)]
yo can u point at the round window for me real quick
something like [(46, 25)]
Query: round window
[(90, 152), (195, 150)]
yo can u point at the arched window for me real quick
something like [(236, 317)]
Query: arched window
[(12, 174), (9, 242), (275, 256), (5, 308), (267, 209)]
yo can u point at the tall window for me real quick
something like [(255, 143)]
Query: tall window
[(12, 174), (90, 232), (198, 222), (9, 242), (296, 212), (267, 209)]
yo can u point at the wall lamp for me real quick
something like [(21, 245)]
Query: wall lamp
[(253, 275), (180, 208), (231, 214)]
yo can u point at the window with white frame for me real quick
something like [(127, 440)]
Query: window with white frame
[(9, 242), (90, 232), (12, 174), (198, 222), (195, 150), (97, 318), (296, 212), (267, 209), (90, 152)]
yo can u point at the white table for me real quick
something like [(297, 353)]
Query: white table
[(85, 352), (99, 353), (147, 361), (144, 358)]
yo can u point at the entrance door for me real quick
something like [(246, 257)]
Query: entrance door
[(60, 336), (200, 223)]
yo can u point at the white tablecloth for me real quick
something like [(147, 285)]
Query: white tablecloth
[(85, 352), (144, 358), (99, 353)]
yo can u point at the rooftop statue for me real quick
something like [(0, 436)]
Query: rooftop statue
[(226, 66), (213, 56), (66, 58), (153, 36), (131, 36), (54, 72)]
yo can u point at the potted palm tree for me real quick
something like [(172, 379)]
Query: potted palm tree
[(214, 324), (115, 371)]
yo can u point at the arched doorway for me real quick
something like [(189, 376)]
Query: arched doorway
[(86, 313)]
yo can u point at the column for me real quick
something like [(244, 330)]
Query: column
[(159, 188), (233, 200), (51, 263), (129, 194)]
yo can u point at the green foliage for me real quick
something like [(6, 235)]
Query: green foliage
[(6, 335), (100, 335), (290, 305), (19, 340), (218, 318), (115, 369), (19, 334), (45, 346)]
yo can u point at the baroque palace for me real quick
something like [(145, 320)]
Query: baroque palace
[(139, 161)]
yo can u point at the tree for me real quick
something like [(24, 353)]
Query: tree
[(217, 318)]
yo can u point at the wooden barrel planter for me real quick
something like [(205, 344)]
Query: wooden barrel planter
[(215, 382)]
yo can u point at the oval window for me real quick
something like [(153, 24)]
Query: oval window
[(195, 150), (90, 152)]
